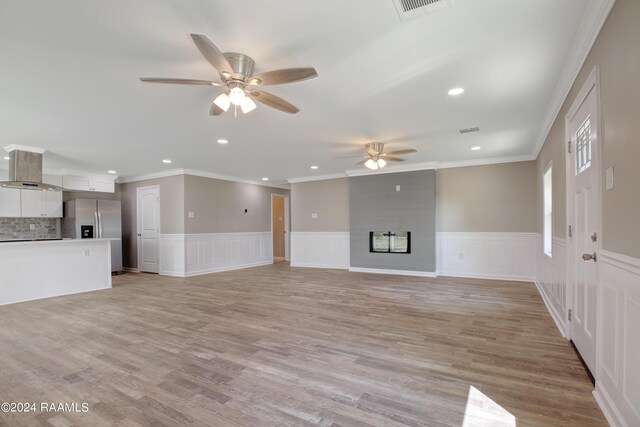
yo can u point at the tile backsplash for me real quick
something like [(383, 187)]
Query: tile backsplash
[(20, 228)]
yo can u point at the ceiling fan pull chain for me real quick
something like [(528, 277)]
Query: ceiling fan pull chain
[(235, 111)]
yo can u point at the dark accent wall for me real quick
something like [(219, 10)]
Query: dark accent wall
[(375, 205)]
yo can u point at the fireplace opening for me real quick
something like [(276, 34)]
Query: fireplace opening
[(390, 242)]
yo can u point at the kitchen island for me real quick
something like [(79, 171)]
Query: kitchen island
[(32, 270)]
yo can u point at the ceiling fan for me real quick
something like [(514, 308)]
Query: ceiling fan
[(236, 73), (376, 159)]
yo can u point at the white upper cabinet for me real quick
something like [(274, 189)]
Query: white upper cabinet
[(88, 183), (41, 204), (9, 203)]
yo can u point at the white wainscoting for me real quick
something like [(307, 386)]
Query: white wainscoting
[(172, 255), (551, 281), (618, 343), (505, 256), (320, 250), (185, 255)]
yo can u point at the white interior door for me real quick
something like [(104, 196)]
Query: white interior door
[(583, 128), (148, 212)]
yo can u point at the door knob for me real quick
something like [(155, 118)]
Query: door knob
[(139, 235), (590, 257)]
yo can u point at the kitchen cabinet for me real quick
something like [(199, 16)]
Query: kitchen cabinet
[(37, 204), (88, 183), (9, 203)]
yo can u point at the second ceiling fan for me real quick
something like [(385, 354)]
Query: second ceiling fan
[(236, 73)]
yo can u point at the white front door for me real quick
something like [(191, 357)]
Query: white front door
[(148, 209), (583, 168)]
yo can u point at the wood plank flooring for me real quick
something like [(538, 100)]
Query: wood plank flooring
[(294, 347)]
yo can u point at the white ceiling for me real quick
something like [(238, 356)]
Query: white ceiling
[(70, 81)]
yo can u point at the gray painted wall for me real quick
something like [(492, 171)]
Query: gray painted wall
[(615, 51), (219, 205), (488, 198), (171, 212), (327, 198), (375, 205)]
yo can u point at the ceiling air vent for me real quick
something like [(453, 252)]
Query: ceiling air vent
[(469, 130), (408, 9)]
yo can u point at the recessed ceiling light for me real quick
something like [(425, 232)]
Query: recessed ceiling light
[(7, 158), (112, 171), (223, 141), (166, 161), (314, 167), (476, 148), (265, 179), (456, 91)]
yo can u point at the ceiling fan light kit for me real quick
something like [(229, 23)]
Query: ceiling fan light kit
[(236, 72), (377, 159)]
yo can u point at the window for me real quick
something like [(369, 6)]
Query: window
[(398, 242), (583, 146), (547, 183)]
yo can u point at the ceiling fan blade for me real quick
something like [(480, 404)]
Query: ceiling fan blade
[(287, 75), (400, 152), (273, 101), (350, 157), (180, 81), (212, 54), (394, 159), (215, 110)]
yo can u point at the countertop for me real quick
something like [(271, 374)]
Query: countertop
[(51, 242)]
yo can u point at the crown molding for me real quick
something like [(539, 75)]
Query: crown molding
[(485, 162), (411, 167), (14, 147), (592, 22), (316, 178), (416, 167), (194, 172)]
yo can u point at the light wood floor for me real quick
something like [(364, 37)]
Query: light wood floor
[(290, 347)]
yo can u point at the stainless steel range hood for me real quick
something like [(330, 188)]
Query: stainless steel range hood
[(25, 172)]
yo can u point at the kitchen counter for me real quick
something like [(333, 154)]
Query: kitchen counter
[(47, 268), (45, 241)]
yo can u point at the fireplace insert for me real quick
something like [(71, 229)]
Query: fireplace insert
[(390, 242)]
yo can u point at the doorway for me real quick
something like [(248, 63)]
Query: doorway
[(280, 227), (584, 218), (148, 229)]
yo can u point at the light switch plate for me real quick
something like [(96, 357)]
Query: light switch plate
[(314, 215), (609, 184), (397, 188), (32, 227)]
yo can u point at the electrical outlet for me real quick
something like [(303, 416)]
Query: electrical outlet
[(192, 214), (461, 256), (397, 188), (314, 215), (86, 252), (32, 227)]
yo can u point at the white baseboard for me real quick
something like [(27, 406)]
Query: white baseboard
[(393, 272), (221, 269), (488, 276), (316, 265), (608, 408), (559, 321)]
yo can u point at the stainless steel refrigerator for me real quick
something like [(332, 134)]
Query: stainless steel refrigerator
[(91, 218)]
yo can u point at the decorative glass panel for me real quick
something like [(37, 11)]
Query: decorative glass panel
[(398, 242), (583, 147)]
